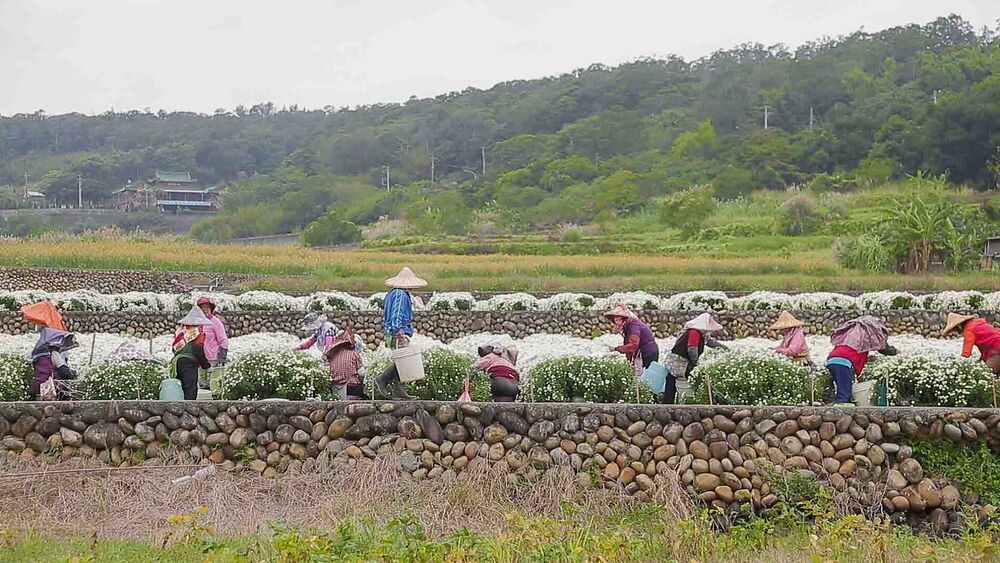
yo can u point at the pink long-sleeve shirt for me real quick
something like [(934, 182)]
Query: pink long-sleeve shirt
[(794, 344), (215, 338)]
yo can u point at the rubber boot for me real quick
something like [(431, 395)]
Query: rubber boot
[(399, 391), (382, 383)]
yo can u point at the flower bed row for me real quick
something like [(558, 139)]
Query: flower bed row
[(555, 368), (85, 300)]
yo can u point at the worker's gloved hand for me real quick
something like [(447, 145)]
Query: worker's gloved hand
[(223, 354), (693, 354)]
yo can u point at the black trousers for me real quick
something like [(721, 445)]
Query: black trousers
[(504, 389), (187, 372)]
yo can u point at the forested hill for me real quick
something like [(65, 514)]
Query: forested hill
[(861, 108)]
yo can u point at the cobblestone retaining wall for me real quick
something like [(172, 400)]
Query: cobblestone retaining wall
[(448, 325), (725, 456)]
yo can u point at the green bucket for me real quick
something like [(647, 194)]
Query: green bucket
[(171, 390)]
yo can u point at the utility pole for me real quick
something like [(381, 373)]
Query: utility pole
[(935, 96), (765, 116), (432, 167), (811, 119), (79, 191), (25, 185), (484, 161), (385, 181)]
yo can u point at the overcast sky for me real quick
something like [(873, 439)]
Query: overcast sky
[(94, 55)]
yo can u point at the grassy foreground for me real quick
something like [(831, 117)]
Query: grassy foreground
[(301, 269), (636, 535), (372, 513)]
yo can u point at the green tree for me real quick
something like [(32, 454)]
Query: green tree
[(330, 229), (733, 182), (688, 210)]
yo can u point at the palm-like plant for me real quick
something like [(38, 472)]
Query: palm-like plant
[(918, 227)]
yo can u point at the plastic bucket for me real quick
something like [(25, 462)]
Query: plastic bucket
[(862, 393), (409, 364), (171, 390), (655, 377)]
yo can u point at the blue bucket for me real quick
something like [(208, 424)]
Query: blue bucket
[(171, 390), (655, 377)]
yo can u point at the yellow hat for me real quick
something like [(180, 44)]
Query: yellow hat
[(954, 319), (786, 320)]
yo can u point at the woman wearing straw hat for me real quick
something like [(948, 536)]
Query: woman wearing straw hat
[(852, 343), (397, 326), (691, 342), (793, 344), (979, 333), (189, 351), (638, 344)]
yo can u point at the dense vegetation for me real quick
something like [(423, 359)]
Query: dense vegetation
[(588, 146)]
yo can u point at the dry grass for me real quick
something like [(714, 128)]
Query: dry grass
[(355, 271), (137, 505)]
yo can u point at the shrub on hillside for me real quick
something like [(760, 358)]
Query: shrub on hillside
[(688, 210), (605, 379), (798, 216), (330, 229), (283, 374), (15, 378), (934, 380), (132, 380), (753, 378)]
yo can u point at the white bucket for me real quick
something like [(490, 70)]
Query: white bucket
[(861, 392), (409, 364)]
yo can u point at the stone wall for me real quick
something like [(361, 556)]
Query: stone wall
[(723, 455), (448, 325)]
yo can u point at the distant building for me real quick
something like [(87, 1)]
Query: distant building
[(991, 253), (168, 191)]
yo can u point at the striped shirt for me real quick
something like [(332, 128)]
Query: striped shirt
[(398, 314), (344, 366)]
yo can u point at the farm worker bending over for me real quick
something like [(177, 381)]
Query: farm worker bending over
[(639, 345), (852, 343), (397, 326), (323, 332), (500, 363), (794, 343), (48, 359), (979, 333), (691, 343), (189, 351), (346, 367)]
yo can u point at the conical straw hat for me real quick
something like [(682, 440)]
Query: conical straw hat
[(405, 279), (954, 319), (703, 322), (785, 321), (195, 317), (620, 310)]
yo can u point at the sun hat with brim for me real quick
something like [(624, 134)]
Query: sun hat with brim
[(785, 321), (345, 339), (703, 322), (312, 321), (195, 317), (405, 279), (954, 319), (620, 311), (205, 301)]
